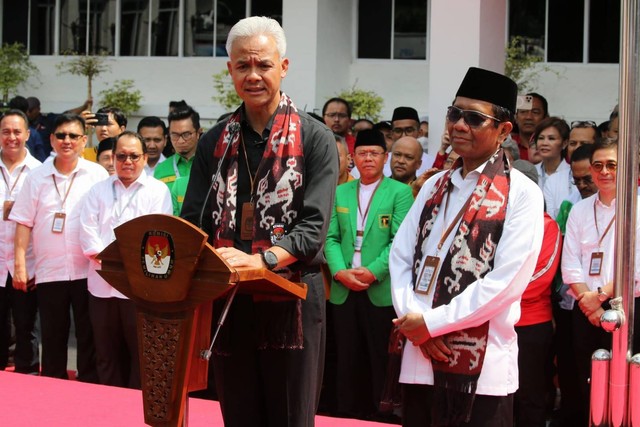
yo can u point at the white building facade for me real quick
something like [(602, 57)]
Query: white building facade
[(410, 52)]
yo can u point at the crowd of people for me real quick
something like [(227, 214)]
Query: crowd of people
[(461, 288)]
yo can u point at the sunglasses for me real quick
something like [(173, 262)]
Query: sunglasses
[(583, 124), (472, 118), (599, 166), (62, 136), (121, 157)]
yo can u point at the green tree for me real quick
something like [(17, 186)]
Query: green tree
[(365, 104), (123, 95), (225, 92), (89, 66), (15, 68), (522, 66)]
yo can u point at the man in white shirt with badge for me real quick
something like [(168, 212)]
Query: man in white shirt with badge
[(15, 164), (47, 210), (128, 194), (459, 264), (588, 265)]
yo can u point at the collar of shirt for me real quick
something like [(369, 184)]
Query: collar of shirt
[(612, 206), (80, 168), (458, 181), (181, 160), (246, 126), (28, 160), (142, 180)]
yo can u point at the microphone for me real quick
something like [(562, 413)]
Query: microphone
[(234, 129)]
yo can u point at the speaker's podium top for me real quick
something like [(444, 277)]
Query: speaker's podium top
[(165, 262)]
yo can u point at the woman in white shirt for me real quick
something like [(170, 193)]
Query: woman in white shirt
[(551, 139)]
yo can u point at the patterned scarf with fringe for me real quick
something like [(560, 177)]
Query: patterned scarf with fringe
[(278, 198), (469, 258)]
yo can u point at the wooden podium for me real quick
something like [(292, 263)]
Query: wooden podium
[(165, 265)]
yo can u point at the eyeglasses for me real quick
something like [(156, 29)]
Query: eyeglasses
[(62, 136), (472, 118), (340, 116), (184, 135), (583, 124), (121, 157), (610, 165), (365, 154), (585, 180), (408, 130)]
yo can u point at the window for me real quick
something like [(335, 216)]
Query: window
[(392, 29), (128, 27), (212, 19), (87, 26), (568, 36)]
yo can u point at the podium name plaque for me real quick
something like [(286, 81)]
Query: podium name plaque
[(166, 267)]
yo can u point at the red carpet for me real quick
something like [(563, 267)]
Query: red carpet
[(37, 401)]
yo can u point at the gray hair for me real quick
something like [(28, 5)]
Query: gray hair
[(512, 146), (256, 26)]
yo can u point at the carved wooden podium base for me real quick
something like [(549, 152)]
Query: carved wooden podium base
[(165, 265)]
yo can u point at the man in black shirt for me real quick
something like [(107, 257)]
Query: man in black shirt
[(274, 171)]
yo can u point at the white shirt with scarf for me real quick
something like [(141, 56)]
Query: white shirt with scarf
[(494, 298)]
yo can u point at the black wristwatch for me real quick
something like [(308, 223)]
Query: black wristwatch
[(270, 259)]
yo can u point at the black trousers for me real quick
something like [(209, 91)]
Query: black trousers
[(23, 308), (488, 411), (534, 344), (567, 370), (55, 299), (116, 341), (362, 340), (274, 388), (586, 339)]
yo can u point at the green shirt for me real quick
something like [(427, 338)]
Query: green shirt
[(563, 215), (178, 191), (166, 171)]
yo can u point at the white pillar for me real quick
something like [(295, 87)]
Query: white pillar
[(319, 35), (463, 34), (300, 23)]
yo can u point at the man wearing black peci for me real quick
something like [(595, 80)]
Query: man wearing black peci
[(269, 207)]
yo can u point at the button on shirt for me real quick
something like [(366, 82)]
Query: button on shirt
[(8, 228), (109, 204), (581, 241), (58, 256), (494, 298)]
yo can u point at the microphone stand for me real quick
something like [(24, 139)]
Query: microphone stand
[(234, 129)]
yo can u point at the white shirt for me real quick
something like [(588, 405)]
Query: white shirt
[(365, 193), (14, 180), (558, 188), (581, 241), (494, 298), (149, 170), (543, 175), (109, 204), (58, 255)]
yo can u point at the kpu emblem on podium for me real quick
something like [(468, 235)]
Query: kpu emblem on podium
[(157, 254)]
